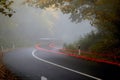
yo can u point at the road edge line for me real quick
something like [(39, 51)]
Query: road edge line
[(84, 74)]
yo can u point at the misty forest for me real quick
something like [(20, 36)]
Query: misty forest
[(102, 15)]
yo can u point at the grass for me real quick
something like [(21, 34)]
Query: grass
[(6, 74)]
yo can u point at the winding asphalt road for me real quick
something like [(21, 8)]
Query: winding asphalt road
[(33, 64)]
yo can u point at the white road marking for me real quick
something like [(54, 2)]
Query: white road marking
[(43, 78), (33, 53)]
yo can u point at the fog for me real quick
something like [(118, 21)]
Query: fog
[(34, 23)]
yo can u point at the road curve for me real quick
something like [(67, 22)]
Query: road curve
[(32, 64)]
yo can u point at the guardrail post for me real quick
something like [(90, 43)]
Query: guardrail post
[(79, 50)]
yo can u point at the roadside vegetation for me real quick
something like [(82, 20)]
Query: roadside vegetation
[(6, 74), (94, 45)]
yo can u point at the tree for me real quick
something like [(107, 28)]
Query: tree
[(5, 7)]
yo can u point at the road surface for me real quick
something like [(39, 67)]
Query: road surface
[(33, 64)]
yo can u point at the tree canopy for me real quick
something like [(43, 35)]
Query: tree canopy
[(5, 7), (104, 10)]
